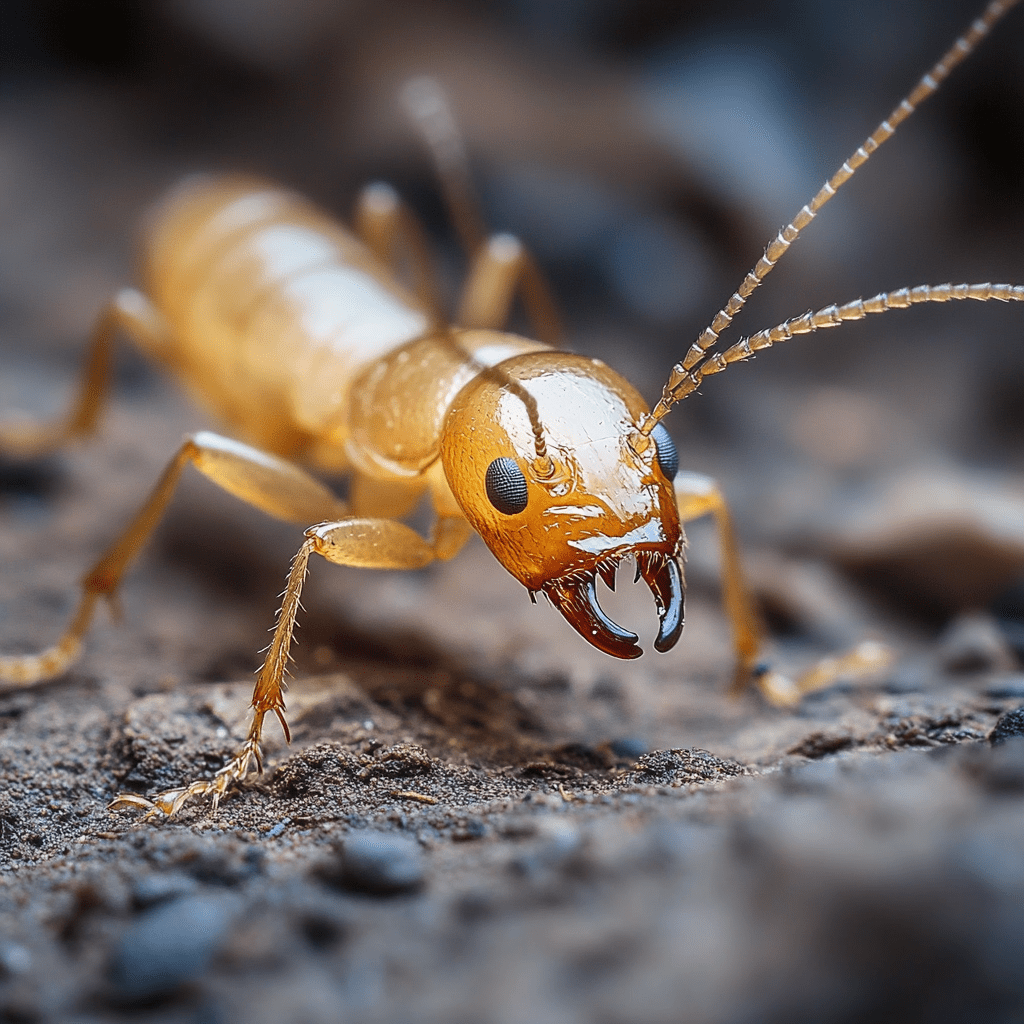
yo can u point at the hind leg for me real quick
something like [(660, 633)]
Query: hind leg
[(129, 311)]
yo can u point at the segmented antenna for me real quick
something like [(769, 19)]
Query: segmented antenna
[(833, 316), (682, 376)]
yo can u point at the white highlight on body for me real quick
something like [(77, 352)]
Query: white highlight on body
[(650, 532)]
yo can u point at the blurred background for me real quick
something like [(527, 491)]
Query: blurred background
[(644, 151)]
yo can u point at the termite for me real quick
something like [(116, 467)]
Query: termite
[(298, 334)]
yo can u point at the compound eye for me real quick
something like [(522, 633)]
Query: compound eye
[(506, 486), (668, 457)]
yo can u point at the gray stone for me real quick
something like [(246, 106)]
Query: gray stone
[(381, 863), (169, 945), (1010, 724)]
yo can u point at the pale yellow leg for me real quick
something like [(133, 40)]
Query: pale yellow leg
[(129, 311), (698, 495), (396, 237), (271, 484), (366, 543), (863, 661), (501, 267)]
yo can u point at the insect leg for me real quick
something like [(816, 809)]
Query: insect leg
[(366, 543), (499, 264), (698, 495), (396, 237), (129, 311), (500, 268), (427, 106), (271, 484)]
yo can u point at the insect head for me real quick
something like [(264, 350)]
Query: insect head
[(538, 454)]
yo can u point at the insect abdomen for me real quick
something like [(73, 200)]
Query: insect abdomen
[(273, 308)]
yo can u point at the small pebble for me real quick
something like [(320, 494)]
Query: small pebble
[(1010, 724), (381, 863), (629, 748), (168, 946)]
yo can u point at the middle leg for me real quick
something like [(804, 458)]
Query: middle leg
[(502, 267)]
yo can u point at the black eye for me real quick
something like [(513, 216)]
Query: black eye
[(668, 457), (506, 486)]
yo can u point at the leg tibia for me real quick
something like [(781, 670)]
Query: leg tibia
[(368, 543), (28, 669), (696, 496), (272, 485), (364, 543), (500, 269)]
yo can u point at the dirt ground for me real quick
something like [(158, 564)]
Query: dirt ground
[(481, 819)]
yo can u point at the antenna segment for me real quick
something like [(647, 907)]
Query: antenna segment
[(833, 316), (682, 376)]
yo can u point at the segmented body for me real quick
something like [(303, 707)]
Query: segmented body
[(263, 297), (274, 313)]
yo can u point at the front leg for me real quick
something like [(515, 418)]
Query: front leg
[(698, 495), (365, 543)]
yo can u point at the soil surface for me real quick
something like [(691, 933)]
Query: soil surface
[(480, 818)]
